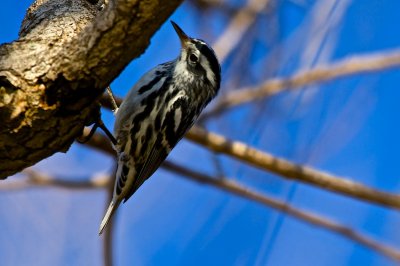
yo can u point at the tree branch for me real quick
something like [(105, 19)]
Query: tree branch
[(238, 25), (34, 178), (278, 166), (52, 77), (346, 67), (229, 186), (109, 232), (290, 170), (318, 221)]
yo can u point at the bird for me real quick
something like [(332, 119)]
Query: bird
[(157, 112)]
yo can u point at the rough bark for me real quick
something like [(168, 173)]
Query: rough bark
[(52, 77)]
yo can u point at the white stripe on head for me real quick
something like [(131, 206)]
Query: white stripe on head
[(209, 73)]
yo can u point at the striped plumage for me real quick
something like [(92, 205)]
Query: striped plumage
[(158, 111)]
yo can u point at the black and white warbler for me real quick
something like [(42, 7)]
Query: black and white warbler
[(158, 111)]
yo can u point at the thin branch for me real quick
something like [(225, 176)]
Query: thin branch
[(321, 222), (34, 178), (350, 66), (101, 143), (282, 167), (290, 170), (14, 185), (219, 5), (109, 232), (41, 179), (237, 189), (239, 24)]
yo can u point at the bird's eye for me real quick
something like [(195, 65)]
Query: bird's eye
[(193, 58)]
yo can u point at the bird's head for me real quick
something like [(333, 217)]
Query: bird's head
[(197, 60)]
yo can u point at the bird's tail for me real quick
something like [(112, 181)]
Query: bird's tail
[(110, 211)]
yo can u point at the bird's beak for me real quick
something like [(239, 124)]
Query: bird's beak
[(182, 36)]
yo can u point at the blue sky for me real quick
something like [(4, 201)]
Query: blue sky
[(346, 126)]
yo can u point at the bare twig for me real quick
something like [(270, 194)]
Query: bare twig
[(14, 185), (321, 222), (290, 170), (236, 189), (219, 5), (101, 143), (283, 167), (41, 179), (350, 66), (38, 179), (239, 24), (109, 232)]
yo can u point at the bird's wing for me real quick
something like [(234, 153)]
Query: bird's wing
[(156, 156), (165, 142)]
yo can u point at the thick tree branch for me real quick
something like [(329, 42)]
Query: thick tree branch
[(121, 32), (51, 78)]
